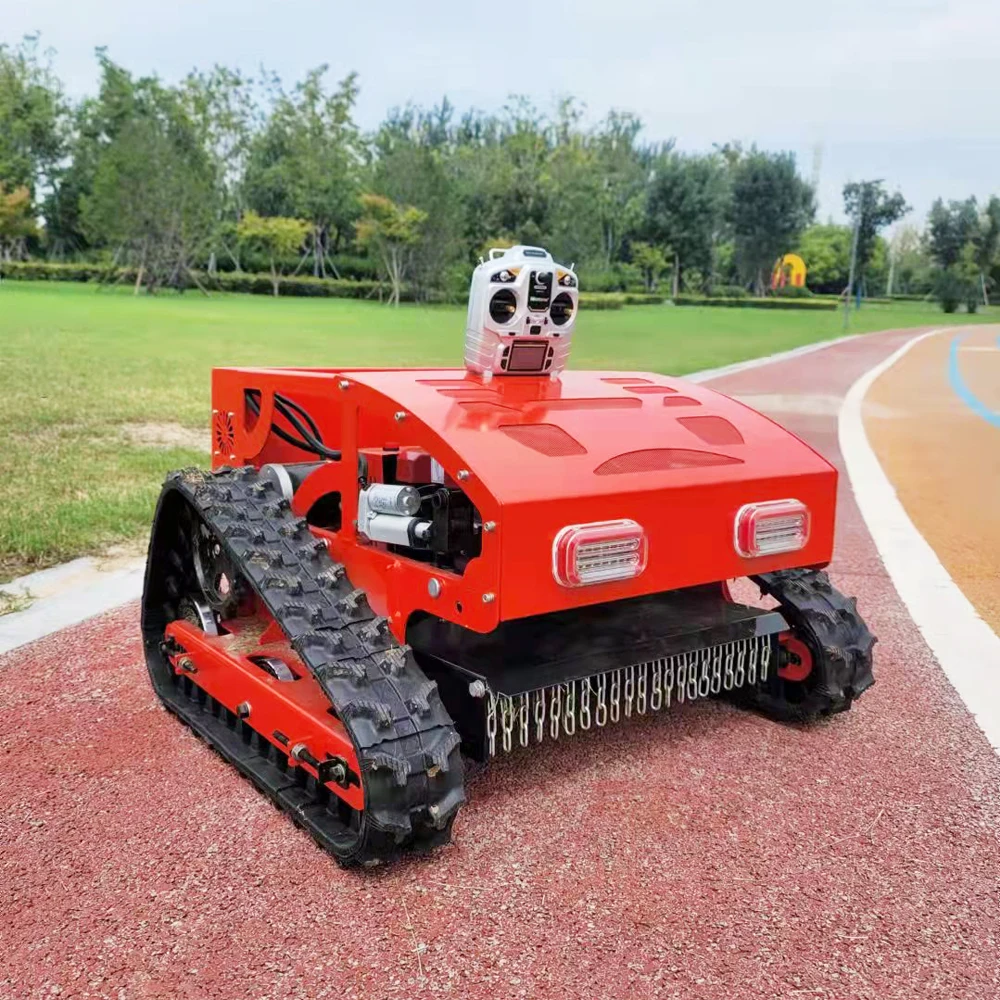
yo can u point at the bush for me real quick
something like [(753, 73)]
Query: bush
[(40, 270), (754, 303), (728, 292), (792, 292), (300, 286), (224, 281), (601, 300), (643, 299), (949, 289), (618, 278)]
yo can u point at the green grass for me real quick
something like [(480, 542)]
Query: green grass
[(79, 366)]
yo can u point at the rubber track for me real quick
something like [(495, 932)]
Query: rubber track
[(829, 623), (406, 744)]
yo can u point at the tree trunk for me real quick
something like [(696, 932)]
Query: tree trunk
[(677, 275), (275, 279), (394, 275), (982, 284), (328, 253)]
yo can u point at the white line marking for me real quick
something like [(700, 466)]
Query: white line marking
[(966, 647)]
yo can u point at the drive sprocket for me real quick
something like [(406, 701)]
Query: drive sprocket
[(826, 629)]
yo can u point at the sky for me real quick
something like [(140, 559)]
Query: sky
[(904, 90)]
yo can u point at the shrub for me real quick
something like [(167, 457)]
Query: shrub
[(949, 289), (601, 300), (754, 303), (729, 291), (643, 299), (792, 292), (300, 286), (39, 270), (224, 281)]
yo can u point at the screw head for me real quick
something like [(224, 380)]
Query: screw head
[(434, 587), (477, 689), (489, 598), (344, 384), (463, 474), (243, 710), (399, 415), (489, 526)]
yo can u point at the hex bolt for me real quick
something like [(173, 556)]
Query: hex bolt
[(434, 587), (344, 384), (243, 710), (463, 474), (489, 526), (477, 689), (186, 664), (399, 415), (489, 598)]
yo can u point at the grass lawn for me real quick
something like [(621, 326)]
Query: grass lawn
[(97, 386)]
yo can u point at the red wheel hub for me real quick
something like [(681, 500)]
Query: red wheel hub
[(799, 659)]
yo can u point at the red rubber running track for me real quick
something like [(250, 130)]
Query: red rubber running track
[(699, 853)]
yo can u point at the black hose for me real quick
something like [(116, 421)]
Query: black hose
[(310, 440)]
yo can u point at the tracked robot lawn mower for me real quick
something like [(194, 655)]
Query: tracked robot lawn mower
[(388, 568)]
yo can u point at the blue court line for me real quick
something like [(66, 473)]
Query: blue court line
[(963, 391)]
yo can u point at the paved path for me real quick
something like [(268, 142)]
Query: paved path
[(934, 422), (703, 853)]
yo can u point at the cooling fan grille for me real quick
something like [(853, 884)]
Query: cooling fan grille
[(224, 433)]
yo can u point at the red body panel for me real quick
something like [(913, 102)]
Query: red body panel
[(539, 454)]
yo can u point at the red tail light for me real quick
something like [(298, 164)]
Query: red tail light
[(584, 554), (765, 529)]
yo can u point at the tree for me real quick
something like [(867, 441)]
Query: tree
[(988, 245), (151, 196), (620, 175), (651, 262), (685, 209), (950, 228), (910, 265), (17, 222), (276, 237), (412, 156), (826, 250), (872, 209), (33, 117), (390, 231), (221, 105), (305, 163), (770, 205)]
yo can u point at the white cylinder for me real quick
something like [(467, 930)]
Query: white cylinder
[(386, 499)]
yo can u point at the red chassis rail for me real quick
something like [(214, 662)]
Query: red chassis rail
[(289, 714)]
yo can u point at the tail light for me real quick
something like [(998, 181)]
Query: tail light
[(765, 529), (599, 552)]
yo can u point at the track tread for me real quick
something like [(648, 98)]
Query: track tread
[(371, 679), (838, 637)]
